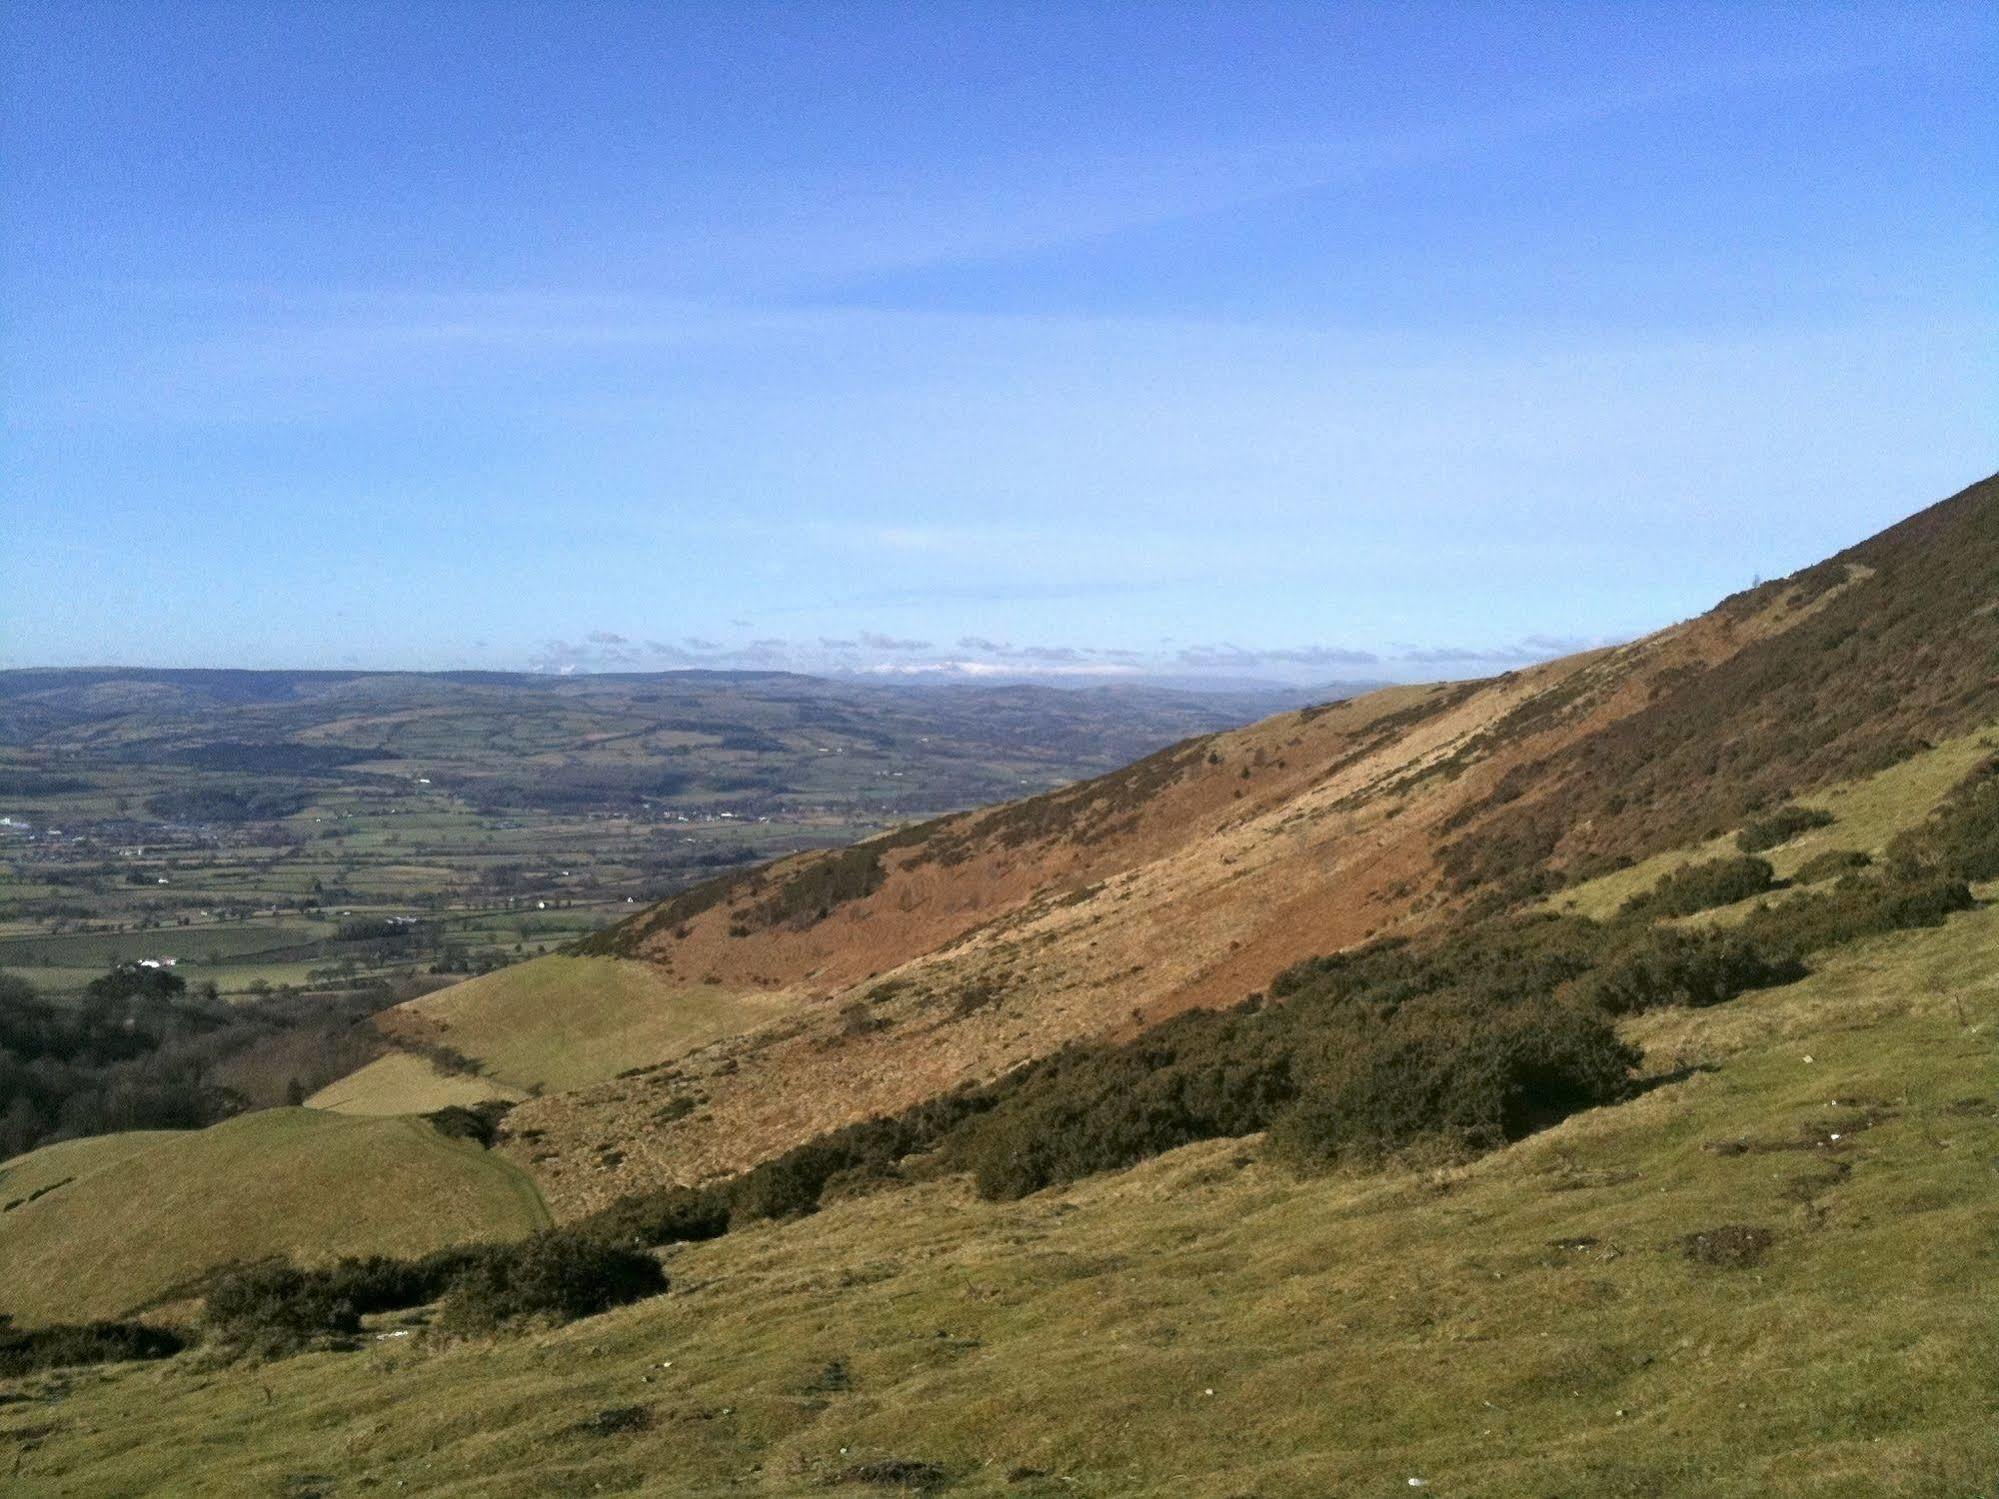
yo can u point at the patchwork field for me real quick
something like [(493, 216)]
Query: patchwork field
[(299, 828)]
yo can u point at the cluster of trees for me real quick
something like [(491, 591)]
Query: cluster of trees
[(139, 1050)]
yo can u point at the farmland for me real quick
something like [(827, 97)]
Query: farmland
[(327, 829)]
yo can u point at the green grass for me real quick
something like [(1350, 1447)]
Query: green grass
[(562, 1022), (1207, 1324), (144, 1214), (402, 1083)]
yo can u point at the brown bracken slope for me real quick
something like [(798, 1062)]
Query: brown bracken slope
[(957, 949)]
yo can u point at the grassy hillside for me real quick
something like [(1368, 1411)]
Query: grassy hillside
[(139, 1215), (562, 1022), (1559, 1317), (404, 1083)]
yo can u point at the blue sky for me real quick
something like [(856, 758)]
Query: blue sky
[(1303, 342)]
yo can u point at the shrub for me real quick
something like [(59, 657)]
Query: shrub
[(670, 1215), (275, 1308), (1668, 966), (557, 1275), (1960, 840), (1702, 886), (28, 1350), (385, 1283), (1858, 906), (1781, 826), (1830, 865), (1471, 1078)]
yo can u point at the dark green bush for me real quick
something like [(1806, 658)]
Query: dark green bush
[(1702, 886), (1668, 966), (385, 1283), (668, 1215), (1468, 1076), (29, 1350), (557, 1275), (275, 1308), (1858, 906), (1781, 826), (1098, 1108), (1830, 865), (1960, 840)]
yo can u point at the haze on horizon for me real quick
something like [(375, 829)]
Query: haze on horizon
[(1276, 342)]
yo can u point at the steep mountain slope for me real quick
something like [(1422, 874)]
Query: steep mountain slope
[(957, 949)]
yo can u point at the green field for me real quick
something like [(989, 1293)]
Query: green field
[(136, 1215)]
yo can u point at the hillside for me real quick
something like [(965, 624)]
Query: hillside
[(963, 947), (1555, 1318), (107, 1226)]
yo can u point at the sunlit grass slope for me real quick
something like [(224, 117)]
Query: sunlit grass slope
[(559, 1022), (1531, 1324), (404, 1083), (132, 1223)]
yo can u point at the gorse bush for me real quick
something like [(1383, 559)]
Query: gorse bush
[(554, 1276), (1781, 826), (1960, 840), (1857, 906), (61, 1345), (1668, 966), (275, 1308), (1830, 865), (668, 1215), (1468, 1078), (1703, 886), (558, 1275)]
